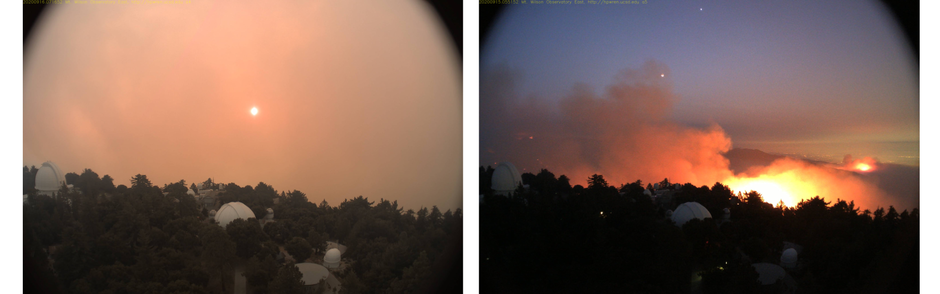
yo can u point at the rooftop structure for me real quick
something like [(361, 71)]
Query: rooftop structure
[(49, 179), (332, 258), (788, 258), (688, 211), (506, 179), (313, 273), (232, 211)]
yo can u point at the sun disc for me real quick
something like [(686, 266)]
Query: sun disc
[(254, 111)]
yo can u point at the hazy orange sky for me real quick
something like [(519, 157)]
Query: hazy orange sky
[(354, 99)]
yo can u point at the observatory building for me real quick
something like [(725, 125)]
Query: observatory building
[(314, 274), (688, 211), (506, 179), (232, 211), (770, 274), (788, 258), (332, 258), (49, 179)]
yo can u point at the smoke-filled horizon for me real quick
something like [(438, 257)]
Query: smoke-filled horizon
[(623, 133), (626, 133), (662, 90), (352, 98)]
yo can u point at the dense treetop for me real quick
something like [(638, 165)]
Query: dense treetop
[(98, 238), (553, 237)]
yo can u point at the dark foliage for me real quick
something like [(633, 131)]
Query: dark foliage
[(605, 240), (98, 238)]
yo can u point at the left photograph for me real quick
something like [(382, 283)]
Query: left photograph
[(247, 147)]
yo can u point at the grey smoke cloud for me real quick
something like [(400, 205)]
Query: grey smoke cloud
[(624, 132)]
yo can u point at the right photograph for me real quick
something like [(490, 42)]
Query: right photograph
[(699, 147)]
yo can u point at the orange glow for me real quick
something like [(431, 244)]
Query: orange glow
[(788, 183), (863, 167), (775, 188), (791, 181), (866, 164)]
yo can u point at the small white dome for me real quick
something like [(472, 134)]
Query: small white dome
[(190, 192), (689, 210), (506, 178), (232, 211), (49, 178), (332, 258), (647, 192), (312, 273), (788, 258)]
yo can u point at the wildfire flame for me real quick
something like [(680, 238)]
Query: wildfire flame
[(865, 164), (784, 187), (791, 181), (862, 167)]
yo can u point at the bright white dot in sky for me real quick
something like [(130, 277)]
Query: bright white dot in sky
[(699, 9), (254, 111), (662, 75)]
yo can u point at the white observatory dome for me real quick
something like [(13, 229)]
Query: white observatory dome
[(689, 210), (312, 273), (190, 192), (49, 178), (231, 211), (332, 258), (506, 179), (788, 258)]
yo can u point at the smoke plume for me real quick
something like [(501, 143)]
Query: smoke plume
[(625, 133)]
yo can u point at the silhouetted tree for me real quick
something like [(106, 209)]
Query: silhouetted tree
[(218, 251), (247, 235), (288, 281), (299, 248), (597, 182)]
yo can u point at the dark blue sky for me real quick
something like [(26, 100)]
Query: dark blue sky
[(775, 75)]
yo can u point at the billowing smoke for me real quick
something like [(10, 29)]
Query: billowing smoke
[(625, 133)]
